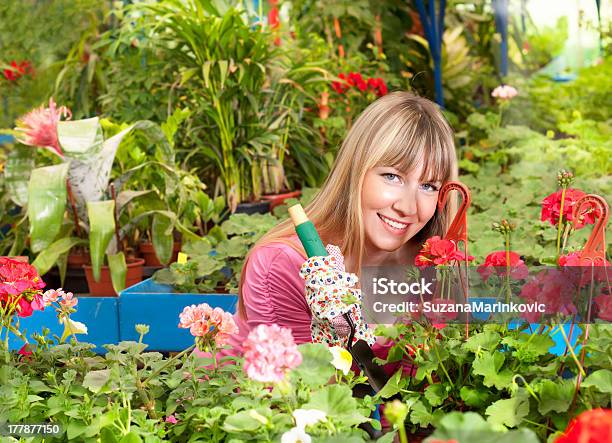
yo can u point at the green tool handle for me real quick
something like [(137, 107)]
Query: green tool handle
[(307, 233)]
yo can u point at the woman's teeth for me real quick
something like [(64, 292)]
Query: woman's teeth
[(393, 223)]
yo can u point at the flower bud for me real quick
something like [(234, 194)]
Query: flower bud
[(565, 178), (396, 412), (142, 329)]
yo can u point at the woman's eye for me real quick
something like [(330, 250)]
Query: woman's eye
[(392, 177), (429, 187)]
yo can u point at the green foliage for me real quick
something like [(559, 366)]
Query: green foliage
[(505, 375)]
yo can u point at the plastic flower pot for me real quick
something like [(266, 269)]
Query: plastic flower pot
[(147, 251), (278, 199), (104, 287), (261, 207)]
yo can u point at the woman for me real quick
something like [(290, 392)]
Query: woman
[(378, 205)]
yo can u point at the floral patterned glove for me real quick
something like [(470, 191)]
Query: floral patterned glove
[(327, 285)]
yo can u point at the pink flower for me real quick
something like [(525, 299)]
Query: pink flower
[(39, 127), (25, 351), (68, 300), (51, 296), (269, 352), (171, 419), (208, 323), (504, 92), (24, 307), (551, 207), (37, 303)]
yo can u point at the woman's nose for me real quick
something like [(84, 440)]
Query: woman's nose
[(406, 204)]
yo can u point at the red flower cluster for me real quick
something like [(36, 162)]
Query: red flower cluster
[(354, 79), (497, 259), (19, 70), (437, 251), (551, 208), (20, 287), (573, 259), (594, 426)]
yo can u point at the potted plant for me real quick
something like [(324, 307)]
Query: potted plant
[(64, 199)]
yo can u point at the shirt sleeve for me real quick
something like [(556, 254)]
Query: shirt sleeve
[(273, 291)]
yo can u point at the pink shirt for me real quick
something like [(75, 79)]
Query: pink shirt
[(273, 292)]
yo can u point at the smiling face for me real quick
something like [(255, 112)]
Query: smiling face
[(395, 206)]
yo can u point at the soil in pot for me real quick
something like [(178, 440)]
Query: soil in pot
[(278, 199), (147, 251), (104, 287)]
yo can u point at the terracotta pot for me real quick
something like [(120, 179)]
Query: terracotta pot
[(77, 259), (104, 287), (147, 251), (278, 199)]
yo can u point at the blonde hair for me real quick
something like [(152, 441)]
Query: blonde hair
[(399, 130)]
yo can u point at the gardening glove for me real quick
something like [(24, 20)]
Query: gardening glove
[(327, 285)]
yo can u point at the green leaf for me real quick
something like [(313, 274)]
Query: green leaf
[(17, 170), (421, 414), (46, 204), (338, 404), (78, 138), (316, 368), (118, 271), (162, 238), (470, 427), (243, 421), (101, 230), (75, 428), (131, 437), (474, 397), (392, 386), (436, 394), (600, 380), (489, 366), (483, 340), (509, 412), (49, 256), (95, 380), (554, 395)]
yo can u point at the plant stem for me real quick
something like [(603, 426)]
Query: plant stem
[(75, 214), (161, 368), (402, 434), (571, 349), (560, 221)]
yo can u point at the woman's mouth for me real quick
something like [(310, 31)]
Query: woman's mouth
[(392, 225)]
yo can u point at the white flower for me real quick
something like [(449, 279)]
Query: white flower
[(307, 417), (342, 359), (72, 327), (295, 435)]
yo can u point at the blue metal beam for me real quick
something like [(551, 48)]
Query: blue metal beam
[(500, 8), (433, 25)]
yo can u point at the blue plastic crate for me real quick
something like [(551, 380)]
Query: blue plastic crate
[(159, 307), (559, 346), (100, 315)]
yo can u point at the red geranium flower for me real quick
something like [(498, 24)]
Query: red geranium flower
[(25, 351), (19, 70), (437, 251), (497, 259), (20, 284), (378, 86), (551, 207), (355, 79), (340, 87), (594, 426)]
